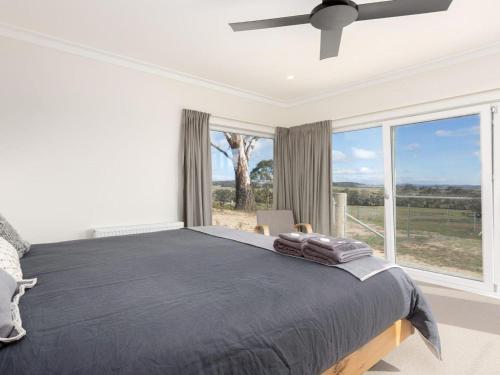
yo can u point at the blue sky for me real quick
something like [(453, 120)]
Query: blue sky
[(222, 167), (444, 152), (358, 156)]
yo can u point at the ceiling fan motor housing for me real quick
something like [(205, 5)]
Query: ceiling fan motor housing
[(334, 14)]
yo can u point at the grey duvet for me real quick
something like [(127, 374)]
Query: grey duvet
[(184, 302)]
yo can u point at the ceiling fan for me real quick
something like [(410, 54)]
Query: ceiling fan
[(331, 16)]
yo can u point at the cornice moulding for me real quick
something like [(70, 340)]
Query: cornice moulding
[(48, 41)]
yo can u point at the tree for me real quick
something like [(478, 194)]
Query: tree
[(223, 196), (262, 174), (262, 181), (241, 148)]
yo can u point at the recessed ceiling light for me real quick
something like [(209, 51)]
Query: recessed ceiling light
[(289, 78)]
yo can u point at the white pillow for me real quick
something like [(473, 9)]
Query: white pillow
[(9, 260), (11, 325)]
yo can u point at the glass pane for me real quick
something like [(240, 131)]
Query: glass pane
[(242, 178), (358, 171), (438, 196)]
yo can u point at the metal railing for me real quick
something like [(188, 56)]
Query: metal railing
[(437, 197), (364, 225), (341, 211)]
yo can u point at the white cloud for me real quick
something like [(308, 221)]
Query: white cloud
[(351, 171), (412, 147), (477, 154), (444, 133), (360, 153), (222, 177), (339, 155), (345, 171), (257, 146), (458, 132), (362, 175)]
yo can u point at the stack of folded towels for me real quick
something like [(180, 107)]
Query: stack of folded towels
[(320, 248), (292, 243)]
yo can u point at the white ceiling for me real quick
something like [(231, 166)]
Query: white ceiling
[(192, 36)]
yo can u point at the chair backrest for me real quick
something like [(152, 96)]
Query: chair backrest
[(279, 221)]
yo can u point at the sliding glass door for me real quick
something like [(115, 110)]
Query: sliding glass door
[(420, 192), (437, 170), (440, 192)]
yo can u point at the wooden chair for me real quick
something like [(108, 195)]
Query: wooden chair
[(274, 222)]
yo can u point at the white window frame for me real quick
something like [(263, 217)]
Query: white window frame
[(496, 195), (487, 285), (481, 103), (222, 124)]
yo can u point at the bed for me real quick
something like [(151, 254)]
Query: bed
[(187, 302)]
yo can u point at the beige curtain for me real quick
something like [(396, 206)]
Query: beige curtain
[(197, 168), (303, 174)]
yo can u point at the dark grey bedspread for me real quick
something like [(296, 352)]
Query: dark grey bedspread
[(183, 302)]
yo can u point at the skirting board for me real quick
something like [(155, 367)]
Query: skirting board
[(134, 229)]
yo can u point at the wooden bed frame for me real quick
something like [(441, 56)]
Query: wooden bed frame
[(368, 355)]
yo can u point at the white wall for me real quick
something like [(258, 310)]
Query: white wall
[(85, 143), (474, 76)]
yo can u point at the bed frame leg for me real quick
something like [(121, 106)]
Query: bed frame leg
[(368, 355)]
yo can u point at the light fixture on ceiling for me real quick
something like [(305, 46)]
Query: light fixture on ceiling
[(290, 77)]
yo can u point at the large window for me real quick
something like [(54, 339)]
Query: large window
[(358, 171), (438, 190), (242, 178), (421, 189)]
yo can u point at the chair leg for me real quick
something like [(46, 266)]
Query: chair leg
[(302, 227), (263, 229)]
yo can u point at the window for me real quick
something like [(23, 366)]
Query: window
[(420, 192), (242, 178), (438, 190), (358, 171)]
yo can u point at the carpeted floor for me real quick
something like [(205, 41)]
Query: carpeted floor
[(470, 333)]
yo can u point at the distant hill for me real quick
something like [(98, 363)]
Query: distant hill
[(429, 196), (348, 184), (439, 186), (224, 184), (435, 191), (351, 184)]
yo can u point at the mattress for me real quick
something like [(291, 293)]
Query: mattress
[(186, 302)]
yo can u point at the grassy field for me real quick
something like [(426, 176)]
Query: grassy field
[(441, 240), (445, 241), (429, 234), (234, 219)]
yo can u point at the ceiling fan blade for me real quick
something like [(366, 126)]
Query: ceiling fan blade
[(330, 43), (398, 8), (273, 22)]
